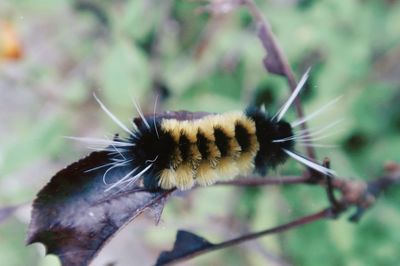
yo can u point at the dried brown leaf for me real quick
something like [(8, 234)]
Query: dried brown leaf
[(74, 217)]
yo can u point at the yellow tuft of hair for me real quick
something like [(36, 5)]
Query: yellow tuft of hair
[(227, 168), (206, 175), (185, 176), (206, 126), (206, 171), (215, 155), (176, 158), (234, 149), (189, 129), (172, 126), (247, 123), (167, 178), (226, 122), (245, 163), (195, 156), (246, 160)]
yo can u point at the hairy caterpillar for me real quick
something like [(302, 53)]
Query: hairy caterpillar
[(181, 149)]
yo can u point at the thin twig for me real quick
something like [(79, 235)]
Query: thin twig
[(359, 194), (335, 204), (353, 193), (257, 181), (276, 61), (278, 229)]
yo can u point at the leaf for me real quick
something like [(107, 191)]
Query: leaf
[(156, 210), (74, 217), (272, 61), (186, 244), (125, 67)]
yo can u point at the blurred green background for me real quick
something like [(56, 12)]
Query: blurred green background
[(64, 51)]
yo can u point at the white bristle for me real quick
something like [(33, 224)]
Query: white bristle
[(310, 163), (289, 102), (112, 116)]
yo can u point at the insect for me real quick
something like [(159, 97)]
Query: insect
[(181, 149)]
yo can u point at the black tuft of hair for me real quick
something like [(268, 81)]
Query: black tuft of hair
[(270, 153), (222, 141), (184, 147), (151, 144), (202, 142), (243, 137)]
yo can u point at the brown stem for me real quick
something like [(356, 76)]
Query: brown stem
[(354, 193), (276, 55), (335, 205), (257, 181), (278, 229), (326, 213)]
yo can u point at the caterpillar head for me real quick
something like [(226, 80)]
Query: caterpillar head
[(271, 152), (279, 130), (276, 137)]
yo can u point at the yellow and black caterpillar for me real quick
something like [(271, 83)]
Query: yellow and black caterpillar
[(181, 149), (184, 152)]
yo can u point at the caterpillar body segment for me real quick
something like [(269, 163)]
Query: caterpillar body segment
[(186, 148)]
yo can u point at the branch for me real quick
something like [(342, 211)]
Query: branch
[(278, 229), (189, 245), (257, 181), (275, 61), (360, 194), (363, 194)]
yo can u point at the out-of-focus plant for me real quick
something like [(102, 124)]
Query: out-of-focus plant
[(213, 58)]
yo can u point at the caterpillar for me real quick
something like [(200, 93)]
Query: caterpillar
[(182, 149)]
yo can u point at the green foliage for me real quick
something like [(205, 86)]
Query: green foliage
[(120, 49)]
